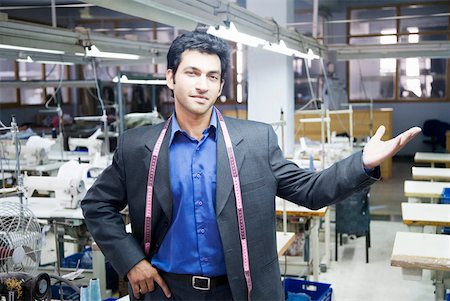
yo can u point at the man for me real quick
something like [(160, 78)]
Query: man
[(201, 245)]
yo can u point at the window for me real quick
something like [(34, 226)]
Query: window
[(415, 78), (7, 95)]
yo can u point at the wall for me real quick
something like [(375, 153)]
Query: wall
[(405, 114)]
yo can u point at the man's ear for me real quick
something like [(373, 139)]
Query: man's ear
[(170, 78), (221, 87)]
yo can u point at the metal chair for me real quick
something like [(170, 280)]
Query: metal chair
[(353, 218)]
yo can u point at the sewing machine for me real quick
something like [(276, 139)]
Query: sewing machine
[(92, 144), (33, 152), (69, 186)]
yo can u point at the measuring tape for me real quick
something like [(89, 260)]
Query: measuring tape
[(237, 193)]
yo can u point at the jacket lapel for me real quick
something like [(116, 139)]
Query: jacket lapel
[(224, 180), (161, 191)]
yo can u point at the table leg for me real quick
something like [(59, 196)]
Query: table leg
[(315, 247), (326, 258), (440, 290)]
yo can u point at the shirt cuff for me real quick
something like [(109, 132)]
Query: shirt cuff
[(373, 172)]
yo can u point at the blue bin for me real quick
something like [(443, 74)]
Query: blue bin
[(296, 289), (445, 199), (85, 259), (68, 293), (445, 196)]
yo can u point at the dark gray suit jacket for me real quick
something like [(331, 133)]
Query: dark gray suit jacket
[(263, 173)]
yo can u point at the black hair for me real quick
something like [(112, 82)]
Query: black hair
[(199, 41)]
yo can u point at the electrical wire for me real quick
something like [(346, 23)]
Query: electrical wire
[(313, 95), (327, 83), (51, 70), (52, 97), (99, 97), (367, 96)]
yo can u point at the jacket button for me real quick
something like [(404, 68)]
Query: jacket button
[(157, 245)]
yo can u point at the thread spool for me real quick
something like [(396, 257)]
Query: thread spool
[(94, 288), (84, 293)]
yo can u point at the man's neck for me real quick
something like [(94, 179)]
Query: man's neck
[(194, 125)]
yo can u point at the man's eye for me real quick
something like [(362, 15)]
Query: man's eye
[(214, 77), (190, 73)]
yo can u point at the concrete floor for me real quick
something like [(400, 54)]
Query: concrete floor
[(354, 280)]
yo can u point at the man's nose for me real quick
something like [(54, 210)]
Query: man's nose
[(202, 83)]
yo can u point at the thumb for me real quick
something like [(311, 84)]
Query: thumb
[(380, 132)]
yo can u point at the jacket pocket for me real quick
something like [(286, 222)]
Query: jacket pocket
[(248, 187)]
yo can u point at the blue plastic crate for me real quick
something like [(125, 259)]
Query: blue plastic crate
[(445, 196), (316, 291), (85, 259), (68, 293)]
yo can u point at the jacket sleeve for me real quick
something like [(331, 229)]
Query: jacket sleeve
[(318, 189), (101, 209)]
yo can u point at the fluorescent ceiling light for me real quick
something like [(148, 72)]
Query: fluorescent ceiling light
[(93, 51), (283, 49), (279, 48), (13, 47), (232, 34), (27, 60), (310, 55), (124, 79), (30, 60), (56, 63)]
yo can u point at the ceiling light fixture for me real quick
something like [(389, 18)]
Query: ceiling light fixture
[(283, 49), (93, 51), (231, 33), (56, 63), (26, 60), (13, 47), (124, 79)]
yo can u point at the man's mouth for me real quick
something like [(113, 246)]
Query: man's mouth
[(200, 98)]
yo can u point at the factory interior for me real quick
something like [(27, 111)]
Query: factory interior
[(75, 76)]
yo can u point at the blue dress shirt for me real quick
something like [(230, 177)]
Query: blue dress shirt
[(192, 244)]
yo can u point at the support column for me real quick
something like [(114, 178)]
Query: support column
[(271, 76)]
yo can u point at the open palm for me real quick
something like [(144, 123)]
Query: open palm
[(376, 150)]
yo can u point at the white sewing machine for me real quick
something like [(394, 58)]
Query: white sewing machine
[(69, 186), (92, 144), (33, 152)]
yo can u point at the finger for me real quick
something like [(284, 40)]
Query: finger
[(409, 135), (380, 132), (136, 293), (150, 284), (143, 288), (163, 285)]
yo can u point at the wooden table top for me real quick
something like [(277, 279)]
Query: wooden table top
[(424, 189), (425, 214), (426, 157), (430, 173), (421, 251), (296, 210)]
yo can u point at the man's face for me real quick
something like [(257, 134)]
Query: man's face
[(197, 83)]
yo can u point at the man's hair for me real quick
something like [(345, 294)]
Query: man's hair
[(199, 41)]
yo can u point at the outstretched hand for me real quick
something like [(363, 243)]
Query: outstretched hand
[(376, 151)]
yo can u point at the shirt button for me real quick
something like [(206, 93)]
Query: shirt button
[(202, 231), (200, 203)]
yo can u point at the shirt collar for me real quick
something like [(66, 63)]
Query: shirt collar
[(212, 125)]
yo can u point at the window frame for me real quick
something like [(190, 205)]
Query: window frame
[(399, 35)]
